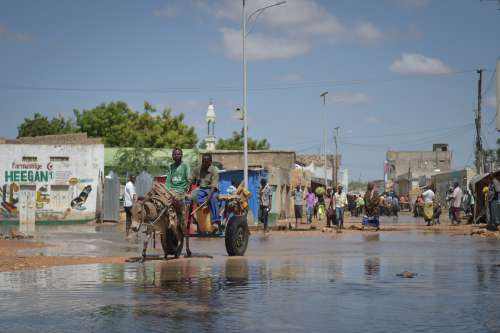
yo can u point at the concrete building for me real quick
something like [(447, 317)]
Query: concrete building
[(314, 163), (60, 172), (405, 168)]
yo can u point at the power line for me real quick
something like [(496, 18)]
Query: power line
[(444, 131), (409, 132), (223, 88), (418, 141)]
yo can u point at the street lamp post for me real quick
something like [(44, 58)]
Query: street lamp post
[(336, 156), (245, 20), (323, 95)]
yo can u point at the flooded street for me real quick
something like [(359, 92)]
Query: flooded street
[(286, 282)]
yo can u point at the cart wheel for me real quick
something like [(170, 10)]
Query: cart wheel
[(237, 236), (171, 244)]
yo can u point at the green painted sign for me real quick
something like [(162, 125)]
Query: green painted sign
[(28, 176)]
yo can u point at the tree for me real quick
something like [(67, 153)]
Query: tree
[(40, 125), (120, 126), (134, 161), (235, 142)]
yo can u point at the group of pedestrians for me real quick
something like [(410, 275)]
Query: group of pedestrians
[(332, 202), (431, 207)]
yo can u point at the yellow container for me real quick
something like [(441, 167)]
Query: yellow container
[(204, 220)]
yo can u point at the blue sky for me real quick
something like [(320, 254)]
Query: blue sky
[(400, 73)]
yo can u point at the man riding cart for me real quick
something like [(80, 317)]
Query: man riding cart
[(170, 210)]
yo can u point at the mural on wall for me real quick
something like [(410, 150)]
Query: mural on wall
[(77, 203), (58, 190), (10, 199)]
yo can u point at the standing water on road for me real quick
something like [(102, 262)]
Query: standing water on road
[(286, 283)]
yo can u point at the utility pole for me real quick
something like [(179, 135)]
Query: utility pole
[(245, 116), (336, 155), (479, 146), (323, 95), (409, 178)]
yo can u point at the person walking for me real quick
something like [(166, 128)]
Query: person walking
[(372, 199), (320, 194), (129, 197), (340, 205), (298, 197), (265, 198), (360, 204), (372, 206), (456, 203), (310, 204), (466, 202), (395, 206), (428, 196), (330, 208)]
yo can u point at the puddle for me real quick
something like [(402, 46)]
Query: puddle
[(311, 283)]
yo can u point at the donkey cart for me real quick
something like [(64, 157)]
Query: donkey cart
[(173, 215)]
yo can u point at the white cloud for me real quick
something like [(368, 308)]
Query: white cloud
[(261, 47), (367, 32), (490, 102), (302, 23), (292, 77), (412, 63), (167, 11), (5, 33), (413, 3), (351, 98)]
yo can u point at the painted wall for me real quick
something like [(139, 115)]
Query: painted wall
[(65, 176)]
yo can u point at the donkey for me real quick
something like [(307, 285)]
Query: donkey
[(163, 211)]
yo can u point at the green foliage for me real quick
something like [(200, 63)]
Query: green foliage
[(41, 125), (236, 143), (120, 126), (134, 161)]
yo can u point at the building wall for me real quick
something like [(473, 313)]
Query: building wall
[(233, 159), (61, 173), (318, 159), (420, 163)]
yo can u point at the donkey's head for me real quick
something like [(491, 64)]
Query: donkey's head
[(137, 215)]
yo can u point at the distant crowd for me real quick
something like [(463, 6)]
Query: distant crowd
[(330, 205)]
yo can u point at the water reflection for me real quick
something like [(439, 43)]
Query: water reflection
[(283, 284), (372, 267), (236, 272), (371, 237)]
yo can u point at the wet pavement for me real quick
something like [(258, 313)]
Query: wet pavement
[(285, 283)]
